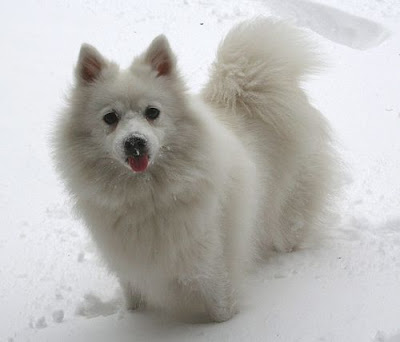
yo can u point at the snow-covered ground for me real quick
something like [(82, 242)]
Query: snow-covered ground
[(53, 287)]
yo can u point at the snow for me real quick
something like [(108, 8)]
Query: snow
[(58, 316), (334, 24), (53, 285)]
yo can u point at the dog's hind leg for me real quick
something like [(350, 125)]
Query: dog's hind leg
[(133, 299)]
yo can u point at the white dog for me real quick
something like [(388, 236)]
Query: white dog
[(182, 193)]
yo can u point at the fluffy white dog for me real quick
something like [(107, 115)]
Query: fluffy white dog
[(182, 193)]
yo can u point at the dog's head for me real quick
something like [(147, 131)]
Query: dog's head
[(130, 116)]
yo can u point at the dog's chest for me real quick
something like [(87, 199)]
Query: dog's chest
[(152, 241)]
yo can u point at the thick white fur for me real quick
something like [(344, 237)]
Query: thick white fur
[(244, 168)]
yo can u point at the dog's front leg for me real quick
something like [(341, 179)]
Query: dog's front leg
[(219, 295)]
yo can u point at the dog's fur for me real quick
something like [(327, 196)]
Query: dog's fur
[(244, 168)]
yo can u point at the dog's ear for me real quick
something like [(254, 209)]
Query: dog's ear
[(90, 64), (160, 56)]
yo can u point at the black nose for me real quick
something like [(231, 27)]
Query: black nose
[(135, 146)]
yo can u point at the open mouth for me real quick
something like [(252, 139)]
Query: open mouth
[(138, 163)]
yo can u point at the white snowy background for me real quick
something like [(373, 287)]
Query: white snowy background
[(53, 286)]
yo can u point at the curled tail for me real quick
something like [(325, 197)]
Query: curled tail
[(258, 62), (255, 79)]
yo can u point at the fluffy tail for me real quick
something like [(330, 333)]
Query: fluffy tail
[(259, 59)]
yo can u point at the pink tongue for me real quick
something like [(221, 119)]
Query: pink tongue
[(139, 164)]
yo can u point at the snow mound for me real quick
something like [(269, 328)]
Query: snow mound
[(331, 23)]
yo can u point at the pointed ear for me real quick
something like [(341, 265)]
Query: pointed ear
[(90, 64), (160, 56)]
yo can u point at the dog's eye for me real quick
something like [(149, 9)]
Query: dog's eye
[(111, 118), (151, 113)]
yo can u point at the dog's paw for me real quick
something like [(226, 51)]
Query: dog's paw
[(223, 314)]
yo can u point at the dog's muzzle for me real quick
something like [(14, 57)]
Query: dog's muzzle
[(137, 153), (135, 146)]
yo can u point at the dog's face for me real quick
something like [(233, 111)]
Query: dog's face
[(130, 116)]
